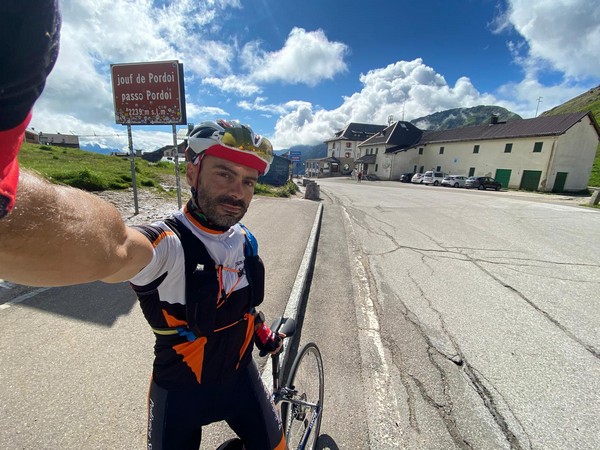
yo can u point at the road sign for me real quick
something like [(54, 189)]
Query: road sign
[(150, 93)]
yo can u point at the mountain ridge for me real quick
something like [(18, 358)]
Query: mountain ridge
[(463, 117)]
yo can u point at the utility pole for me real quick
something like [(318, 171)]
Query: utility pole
[(539, 100)]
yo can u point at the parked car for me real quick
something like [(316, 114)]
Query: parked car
[(435, 178), (483, 183), (406, 177), (417, 178), (454, 181)]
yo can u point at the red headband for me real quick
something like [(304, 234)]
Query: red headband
[(242, 157)]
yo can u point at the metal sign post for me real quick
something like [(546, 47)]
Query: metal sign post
[(132, 164), (176, 149)]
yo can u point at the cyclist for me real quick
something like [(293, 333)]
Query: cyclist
[(197, 274)]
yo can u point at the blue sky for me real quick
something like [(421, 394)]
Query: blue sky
[(297, 71)]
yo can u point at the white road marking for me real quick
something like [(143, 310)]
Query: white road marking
[(381, 399), (23, 297)]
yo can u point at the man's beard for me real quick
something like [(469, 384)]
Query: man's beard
[(209, 206)]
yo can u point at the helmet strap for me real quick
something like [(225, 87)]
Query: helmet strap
[(197, 180)]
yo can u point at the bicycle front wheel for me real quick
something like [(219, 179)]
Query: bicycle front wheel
[(302, 415)]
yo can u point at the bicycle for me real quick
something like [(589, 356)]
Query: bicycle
[(301, 396)]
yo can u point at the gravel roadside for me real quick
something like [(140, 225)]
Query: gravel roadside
[(152, 205)]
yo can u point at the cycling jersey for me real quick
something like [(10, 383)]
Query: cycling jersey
[(203, 373), (161, 289)]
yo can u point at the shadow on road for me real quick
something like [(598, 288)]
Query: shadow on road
[(98, 302), (326, 442)]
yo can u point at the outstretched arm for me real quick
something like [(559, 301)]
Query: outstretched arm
[(59, 235)]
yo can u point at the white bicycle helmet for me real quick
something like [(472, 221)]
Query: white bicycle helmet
[(231, 141)]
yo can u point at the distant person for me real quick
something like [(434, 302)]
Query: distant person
[(359, 176), (197, 274)]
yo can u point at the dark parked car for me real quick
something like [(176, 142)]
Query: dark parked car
[(406, 177), (483, 183)]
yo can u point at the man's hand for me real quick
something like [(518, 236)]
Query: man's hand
[(267, 341), (29, 32)]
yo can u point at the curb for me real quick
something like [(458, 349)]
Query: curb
[(294, 302)]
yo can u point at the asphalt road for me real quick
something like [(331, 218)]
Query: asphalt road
[(477, 313), (446, 319), (76, 361)]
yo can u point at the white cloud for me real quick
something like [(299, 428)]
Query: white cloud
[(144, 138), (557, 35), (406, 90), (561, 34), (259, 105), (529, 96), (234, 84), (306, 58), (560, 37), (96, 33), (194, 110)]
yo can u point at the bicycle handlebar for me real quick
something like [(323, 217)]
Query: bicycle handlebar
[(285, 325)]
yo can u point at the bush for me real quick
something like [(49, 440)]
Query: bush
[(286, 190), (84, 179), (165, 165), (147, 183)]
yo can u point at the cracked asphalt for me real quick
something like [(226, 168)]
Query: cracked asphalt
[(486, 305)]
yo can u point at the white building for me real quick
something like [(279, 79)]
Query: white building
[(59, 140), (551, 153), (342, 151)]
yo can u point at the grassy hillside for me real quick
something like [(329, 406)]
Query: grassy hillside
[(588, 101), (96, 172), (91, 171)]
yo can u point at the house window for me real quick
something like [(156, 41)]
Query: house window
[(438, 169), (347, 154), (441, 150), (348, 144), (420, 150), (508, 148), (537, 147), (476, 149), (376, 150), (472, 171), (376, 166)]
